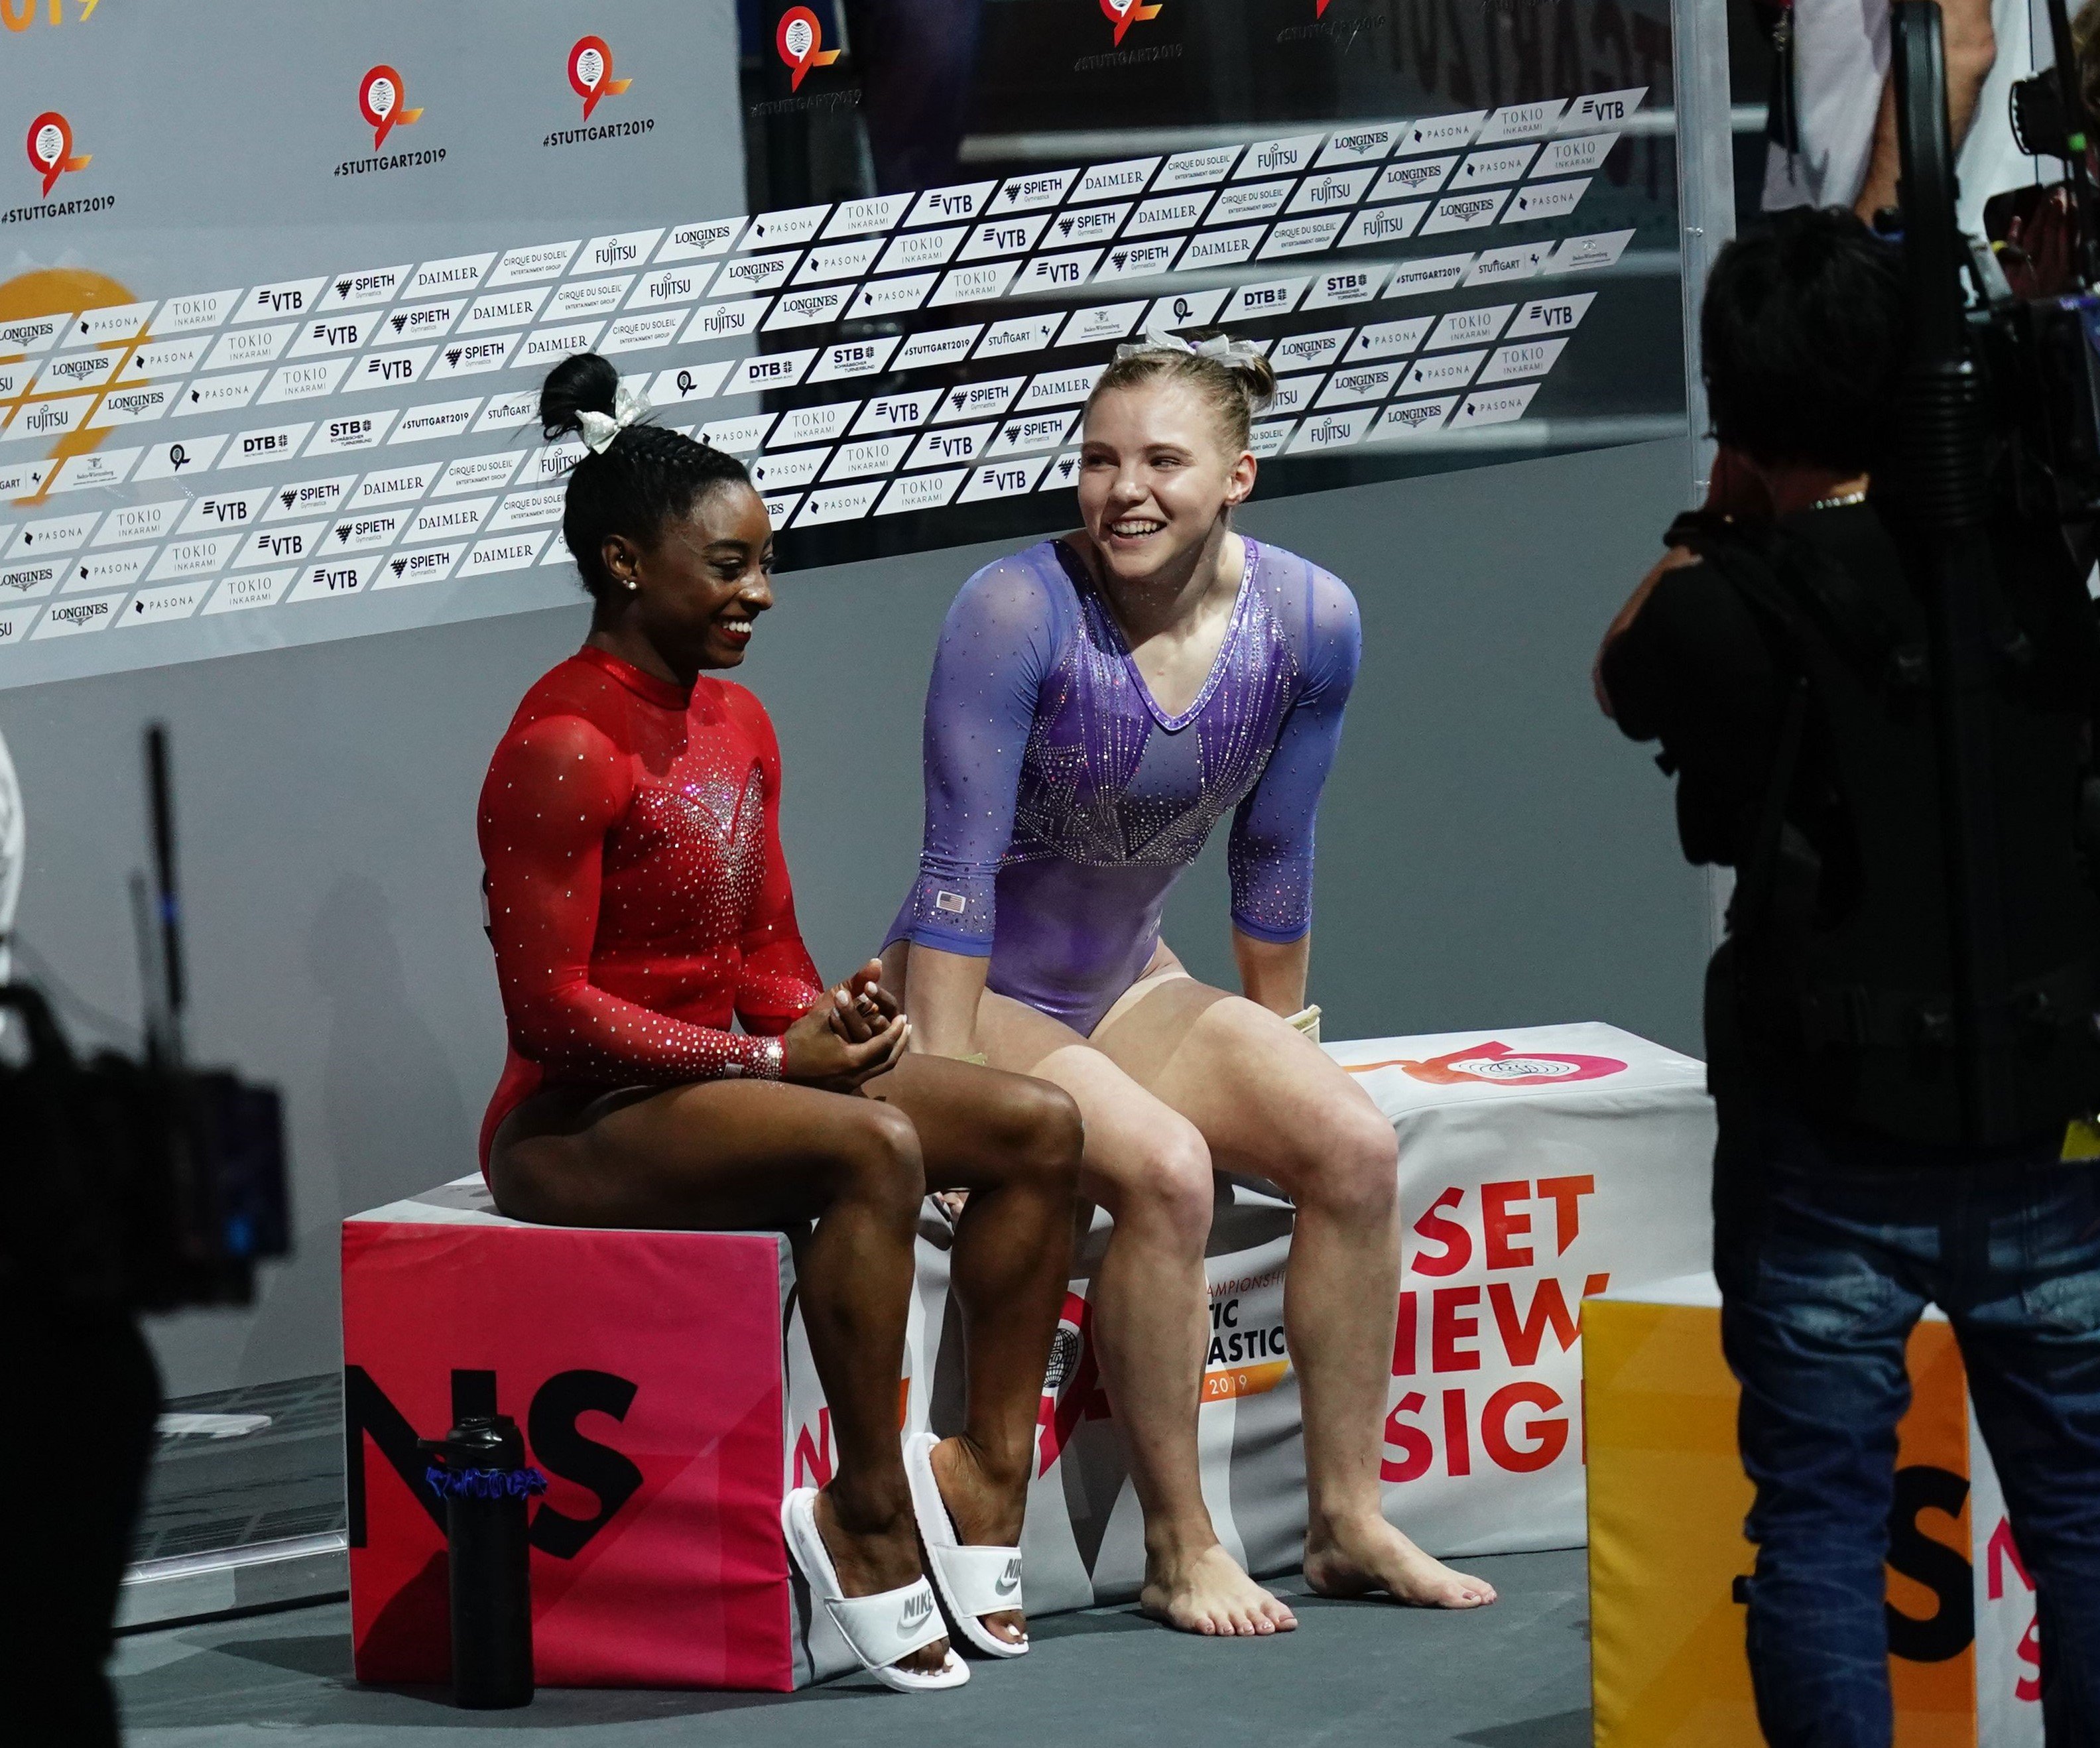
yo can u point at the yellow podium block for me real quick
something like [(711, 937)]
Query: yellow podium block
[(1667, 1497)]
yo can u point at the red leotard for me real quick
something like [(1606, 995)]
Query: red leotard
[(637, 893)]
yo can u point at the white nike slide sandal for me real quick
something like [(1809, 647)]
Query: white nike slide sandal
[(973, 1581), (878, 1629)]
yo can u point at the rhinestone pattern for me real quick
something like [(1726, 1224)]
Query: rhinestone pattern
[(1063, 801), (637, 898)]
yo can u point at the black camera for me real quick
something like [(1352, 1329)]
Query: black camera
[(142, 1182)]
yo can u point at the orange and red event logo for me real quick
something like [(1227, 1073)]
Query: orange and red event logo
[(1122, 14), (51, 148), (1495, 1063), (801, 40), (591, 72), (380, 95)]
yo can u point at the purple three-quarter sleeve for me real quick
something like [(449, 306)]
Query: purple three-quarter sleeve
[(1270, 852), (999, 644)]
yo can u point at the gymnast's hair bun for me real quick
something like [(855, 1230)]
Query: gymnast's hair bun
[(1256, 378), (582, 382)]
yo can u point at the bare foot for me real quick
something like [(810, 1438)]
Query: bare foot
[(987, 1513), (1356, 1560), (881, 1560), (1207, 1593)]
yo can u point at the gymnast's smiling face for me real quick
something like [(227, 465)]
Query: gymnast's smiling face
[(698, 591), (1157, 479)]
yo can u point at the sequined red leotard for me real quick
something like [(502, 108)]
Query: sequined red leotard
[(637, 898)]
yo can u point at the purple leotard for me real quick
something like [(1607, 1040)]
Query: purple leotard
[(1062, 803)]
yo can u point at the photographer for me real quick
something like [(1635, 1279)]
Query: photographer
[(1778, 652)]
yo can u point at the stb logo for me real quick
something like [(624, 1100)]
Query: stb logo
[(380, 94), (1122, 14), (591, 72), (51, 148), (800, 42)]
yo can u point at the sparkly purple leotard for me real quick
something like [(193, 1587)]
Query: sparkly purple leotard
[(1062, 803)]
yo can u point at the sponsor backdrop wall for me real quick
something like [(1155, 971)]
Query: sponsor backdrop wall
[(280, 280)]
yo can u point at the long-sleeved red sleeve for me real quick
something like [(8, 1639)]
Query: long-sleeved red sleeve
[(776, 982), (556, 788)]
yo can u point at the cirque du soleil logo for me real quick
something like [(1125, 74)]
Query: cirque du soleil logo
[(379, 98), (800, 41), (51, 148), (591, 72), (1122, 14)]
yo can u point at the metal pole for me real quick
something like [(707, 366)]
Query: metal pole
[(1706, 220)]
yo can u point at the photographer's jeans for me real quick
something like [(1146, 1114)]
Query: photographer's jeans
[(1827, 1252)]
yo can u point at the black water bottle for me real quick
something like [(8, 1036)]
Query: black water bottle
[(482, 1477)]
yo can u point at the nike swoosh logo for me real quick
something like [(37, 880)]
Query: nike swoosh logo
[(1006, 1586)]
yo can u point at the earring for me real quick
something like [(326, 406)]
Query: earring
[(632, 585)]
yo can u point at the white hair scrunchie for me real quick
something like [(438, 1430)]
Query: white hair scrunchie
[(1222, 347), (599, 429)]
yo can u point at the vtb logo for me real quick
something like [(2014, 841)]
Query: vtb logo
[(800, 41), (51, 148), (380, 96), (550, 1432), (1122, 14), (591, 72)]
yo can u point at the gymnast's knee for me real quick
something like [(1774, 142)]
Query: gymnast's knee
[(880, 1166), (1044, 1135), (1349, 1165), (1168, 1187)]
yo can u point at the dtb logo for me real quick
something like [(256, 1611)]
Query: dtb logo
[(551, 1436)]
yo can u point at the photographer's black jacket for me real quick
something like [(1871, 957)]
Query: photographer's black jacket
[(1835, 981)]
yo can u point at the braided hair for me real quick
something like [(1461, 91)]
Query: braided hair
[(647, 476)]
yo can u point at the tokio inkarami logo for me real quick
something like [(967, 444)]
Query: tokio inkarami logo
[(380, 97), (51, 148), (1122, 14), (591, 72), (800, 41)]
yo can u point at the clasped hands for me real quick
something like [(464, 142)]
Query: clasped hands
[(855, 1033)]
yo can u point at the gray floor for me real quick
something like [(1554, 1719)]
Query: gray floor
[(1514, 1676)]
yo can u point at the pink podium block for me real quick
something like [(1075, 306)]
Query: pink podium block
[(645, 1368)]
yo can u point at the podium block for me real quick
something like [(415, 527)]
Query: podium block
[(645, 1369), (1537, 1166), (665, 1387), (1667, 1498), (664, 1383)]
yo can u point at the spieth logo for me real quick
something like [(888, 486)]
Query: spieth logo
[(51, 148), (380, 94), (800, 41), (1122, 14), (591, 72), (1498, 1065)]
